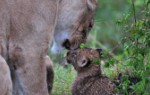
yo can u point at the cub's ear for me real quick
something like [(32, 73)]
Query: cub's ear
[(92, 4), (99, 51), (83, 62)]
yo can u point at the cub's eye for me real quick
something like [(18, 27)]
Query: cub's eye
[(84, 61)]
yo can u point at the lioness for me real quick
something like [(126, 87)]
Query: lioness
[(26, 30)]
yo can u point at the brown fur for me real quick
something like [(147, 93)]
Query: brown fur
[(89, 80), (26, 30)]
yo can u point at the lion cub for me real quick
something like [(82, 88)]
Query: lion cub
[(89, 80)]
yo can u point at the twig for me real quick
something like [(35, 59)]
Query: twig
[(134, 13), (136, 39), (104, 48)]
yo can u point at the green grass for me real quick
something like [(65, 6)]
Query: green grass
[(63, 80)]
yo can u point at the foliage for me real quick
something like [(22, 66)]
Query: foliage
[(95, 61), (63, 80), (82, 45), (135, 57), (122, 30)]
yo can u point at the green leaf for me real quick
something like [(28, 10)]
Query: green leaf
[(95, 61), (82, 45)]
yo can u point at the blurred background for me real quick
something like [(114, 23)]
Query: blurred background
[(122, 30), (107, 33)]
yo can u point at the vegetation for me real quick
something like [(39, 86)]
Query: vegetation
[(63, 80), (122, 30)]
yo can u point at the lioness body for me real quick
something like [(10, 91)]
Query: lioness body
[(27, 27)]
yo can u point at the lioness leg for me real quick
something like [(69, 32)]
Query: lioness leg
[(32, 27), (29, 71), (5, 79), (50, 73)]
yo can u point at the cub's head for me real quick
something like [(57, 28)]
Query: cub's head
[(75, 19), (85, 60)]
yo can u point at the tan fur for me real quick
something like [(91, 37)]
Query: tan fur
[(26, 30), (27, 27), (89, 80), (5, 79), (73, 23)]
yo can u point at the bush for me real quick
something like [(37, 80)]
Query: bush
[(133, 66)]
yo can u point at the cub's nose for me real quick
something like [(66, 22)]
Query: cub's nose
[(66, 44)]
